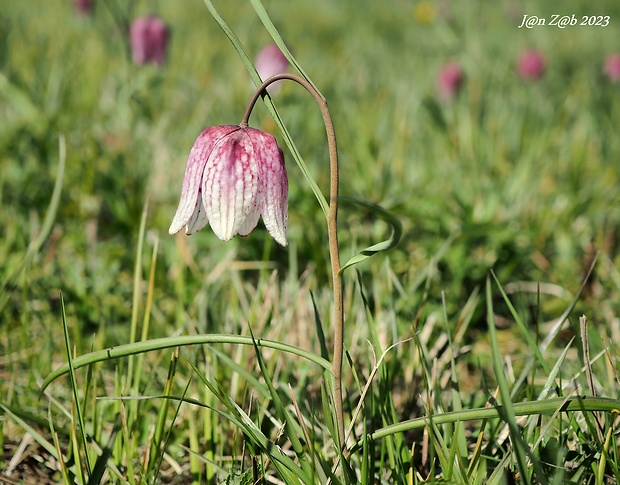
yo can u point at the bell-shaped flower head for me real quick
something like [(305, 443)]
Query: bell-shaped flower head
[(611, 69), (148, 37), (269, 62), (531, 64), (233, 175), (449, 80)]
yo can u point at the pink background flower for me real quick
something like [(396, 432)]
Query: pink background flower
[(149, 40), (449, 80), (83, 6), (531, 64), (269, 62), (611, 69)]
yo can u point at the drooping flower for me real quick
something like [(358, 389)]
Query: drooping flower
[(611, 69), (449, 80), (269, 62), (148, 37), (83, 7), (233, 175), (531, 64)]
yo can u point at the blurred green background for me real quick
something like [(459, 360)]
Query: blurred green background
[(512, 175)]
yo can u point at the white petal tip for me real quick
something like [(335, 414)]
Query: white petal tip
[(280, 239)]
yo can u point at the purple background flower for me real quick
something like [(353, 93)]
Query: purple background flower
[(149, 40), (531, 64), (611, 68), (449, 80), (83, 6), (269, 62)]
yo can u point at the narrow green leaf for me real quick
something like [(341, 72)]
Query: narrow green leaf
[(396, 230), (507, 411), (38, 437), (527, 334), (292, 431), (229, 363), (558, 325), (74, 389), (168, 342), (544, 407)]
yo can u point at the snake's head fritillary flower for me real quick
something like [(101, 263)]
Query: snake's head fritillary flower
[(611, 69), (148, 37), (269, 62), (449, 80), (83, 7), (233, 175), (531, 64)]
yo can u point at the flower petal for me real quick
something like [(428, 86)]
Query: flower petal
[(199, 217), (273, 184), (230, 186), (251, 219), (189, 203)]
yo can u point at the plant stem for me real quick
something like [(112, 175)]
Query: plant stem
[(332, 234)]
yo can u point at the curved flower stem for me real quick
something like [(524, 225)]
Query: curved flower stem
[(332, 233)]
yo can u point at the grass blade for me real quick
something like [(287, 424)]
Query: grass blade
[(507, 411), (396, 230), (168, 342), (78, 408)]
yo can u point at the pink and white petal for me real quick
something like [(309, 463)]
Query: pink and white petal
[(251, 219), (199, 217), (230, 185), (194, 170), (273, 187)]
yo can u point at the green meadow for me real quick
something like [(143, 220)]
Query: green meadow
[(482, 348)]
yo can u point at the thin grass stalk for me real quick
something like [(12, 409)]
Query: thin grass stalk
[(63, 467), (507, 407), (133, 381), (160, 423), (77, 407), (286, 417)]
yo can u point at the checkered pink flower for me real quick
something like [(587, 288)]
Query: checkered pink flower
[(148, 37), (449, 80), (233, 175), (531, 64), (611, 69)]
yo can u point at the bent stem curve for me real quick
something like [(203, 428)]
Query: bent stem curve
[(332, 233)]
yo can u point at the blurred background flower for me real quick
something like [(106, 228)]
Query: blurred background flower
[(149, 40), (531, 64), (269, 62), (83, 7), (449, 80), (424, 12), (611, 68)]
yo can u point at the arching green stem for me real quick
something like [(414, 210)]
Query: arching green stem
[(332, 233)]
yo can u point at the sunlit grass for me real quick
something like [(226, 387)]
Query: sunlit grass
[(518, 178)]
